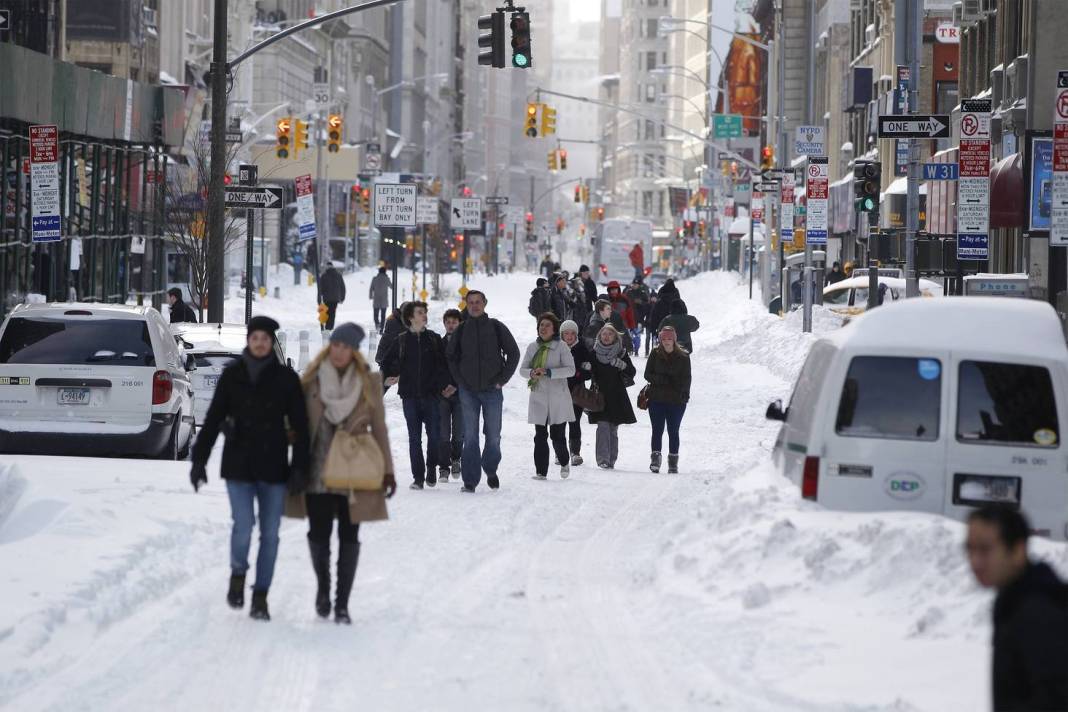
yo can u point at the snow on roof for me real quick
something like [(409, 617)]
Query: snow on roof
[(1024, 327)]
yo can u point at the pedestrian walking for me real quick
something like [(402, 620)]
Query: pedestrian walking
[(416, 362), (482, 356), (637, 259), (547, 366), (541, 299), (668, 374), (559, 298), (638, 294), (589, 287), (683, 323), (836, 274), (1030, 612), (180, 311), (394, 327), (602, 314), (451, 428), (254, 400), (569, 334), (332, 289), (379, 296), (344, 402), (622, 305), (613, 373), (661, 309), (547, 266)]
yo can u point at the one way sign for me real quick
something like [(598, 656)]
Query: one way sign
[(242, 197), (5, 20), (914, 126)]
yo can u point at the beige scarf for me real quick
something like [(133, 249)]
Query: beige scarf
[(339, 392)]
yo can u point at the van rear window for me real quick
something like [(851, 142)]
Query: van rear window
[(891, 397), (1006, 403), (77, 341)]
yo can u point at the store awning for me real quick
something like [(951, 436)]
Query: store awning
[(1007, 193)]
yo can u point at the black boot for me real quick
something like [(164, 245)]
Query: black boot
[(346, 573), (320, 558), (236, 595), (673, 464), (258, 609)]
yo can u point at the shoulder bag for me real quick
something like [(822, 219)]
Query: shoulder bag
[(589, 399), (354, 462)]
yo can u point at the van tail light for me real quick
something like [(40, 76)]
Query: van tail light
[(810, 478), (162, 387)]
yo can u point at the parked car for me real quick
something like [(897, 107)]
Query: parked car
[(101, 379), (849, 297), (918, 408), (212, 347)]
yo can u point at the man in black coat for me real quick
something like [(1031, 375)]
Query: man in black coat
[(180, 311), (541, 298), (253, 400), (558, 298), (332, 287), (451, 428), (1030, 670), (589, 287)]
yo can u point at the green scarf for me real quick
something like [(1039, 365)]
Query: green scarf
[(539, 361)]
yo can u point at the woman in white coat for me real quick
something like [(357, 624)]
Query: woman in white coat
[(547, 365)]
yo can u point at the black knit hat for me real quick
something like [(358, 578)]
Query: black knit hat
[(263, 323)]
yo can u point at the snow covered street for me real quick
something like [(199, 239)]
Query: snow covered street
[(613, 590)]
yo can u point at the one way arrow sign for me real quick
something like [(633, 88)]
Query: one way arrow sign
[(914, 126), (242, 197)]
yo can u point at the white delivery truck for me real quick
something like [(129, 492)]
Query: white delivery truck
[(615, 238)]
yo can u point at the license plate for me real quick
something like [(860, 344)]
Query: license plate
[(211, 381), (73, 396), (974, 490)]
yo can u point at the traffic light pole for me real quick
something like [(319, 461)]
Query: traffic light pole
[(908, 33)]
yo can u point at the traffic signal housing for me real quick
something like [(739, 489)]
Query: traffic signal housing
[(335, 126), (283, 137), (491, 43), (552, 160), (578, 193), (300, 137), (532, 120), (365, 201), (548, 120), (867, 179), (521, 57), (563, 159), (767, 158)]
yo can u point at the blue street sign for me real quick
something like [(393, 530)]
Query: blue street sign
[(972, 247), (940, 171)]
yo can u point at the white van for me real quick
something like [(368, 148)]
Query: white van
[(934, 405), (93, 379)]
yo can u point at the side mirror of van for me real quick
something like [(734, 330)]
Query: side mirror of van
[(775, 411), (190, 362)]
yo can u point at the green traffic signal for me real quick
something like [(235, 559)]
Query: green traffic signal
[(520, 60)]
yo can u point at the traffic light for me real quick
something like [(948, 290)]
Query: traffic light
[(600, 214), (300, 137), (365, 201), (228, 179), (493, 41), (767, 158), (521, 57), (585, 193), (867, 178), (548, 120), (552, 160), (283, 137), (334, 127), (701, 226), (563, 155), (559, 226), (578, 193), (532, 120)]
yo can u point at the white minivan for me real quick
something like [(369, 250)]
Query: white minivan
[(935, 405), (93, 379)]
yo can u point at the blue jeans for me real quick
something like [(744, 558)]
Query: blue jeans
[(491, 405), (420, 412), (669, 414), (272, 499)]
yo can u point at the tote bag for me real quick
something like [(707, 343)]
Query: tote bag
[(354, 462), (589, 399)]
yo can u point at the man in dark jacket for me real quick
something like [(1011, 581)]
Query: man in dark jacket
[(588, 286), (835, 275), (558, 298), (661, 308), (332, 287), (416, 361), (683, 323), (1030, 670), (547, 266), (482, 356), (379, 296), (394, 328), (180, 311), (541, 299), (602, 314), (253, 400), (451, 435)]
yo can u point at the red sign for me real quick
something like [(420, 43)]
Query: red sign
[(26, 166), (974, 158), (304, 185), (44, 144), (1060, 146)]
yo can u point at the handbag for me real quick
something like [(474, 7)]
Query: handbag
[(354, 462), (589, 399), (643, 398)]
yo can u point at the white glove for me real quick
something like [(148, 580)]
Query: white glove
[(586, 365), (619, 363)]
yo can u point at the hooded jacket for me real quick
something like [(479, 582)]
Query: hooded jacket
[(664, 299), (684, 324), (541, 301), (622, 305)]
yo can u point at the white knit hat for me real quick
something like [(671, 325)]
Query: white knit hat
[(569, 325)]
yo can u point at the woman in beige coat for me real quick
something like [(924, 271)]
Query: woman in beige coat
[(341, 392)]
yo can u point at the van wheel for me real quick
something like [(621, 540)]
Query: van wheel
[(183, 453), (170, 450)]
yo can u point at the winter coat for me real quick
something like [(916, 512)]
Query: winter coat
[(834, 277), (609, 380), (622, 305), (379, 293), (1030, 667), (394, 327), (580, 355), (560, 304), (668, 375), (332, 286), (590, 289), (540, 302), (596, 323), (667, 296), (183, 313), (254, 414), (368, 415), (482, 354), (455, 397), (684, 324), (637, 257), (419, 361), (550, 401), (639, 298)]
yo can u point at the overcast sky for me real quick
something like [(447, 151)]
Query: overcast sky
[(584, 10)]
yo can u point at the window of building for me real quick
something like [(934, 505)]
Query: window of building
[(650, 93), (650, 60), (650, 28)]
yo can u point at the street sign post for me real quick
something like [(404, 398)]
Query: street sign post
[(809, 141), (914, 126), (767, 186), (305, 208), (786, 202), (973, 185), (426, 211), (466, 214), (395, 204), (254, 198), (44, 183), (497, 200), (321, 93), (817, 193), (727, 125), (1058, 234), (940, 171)]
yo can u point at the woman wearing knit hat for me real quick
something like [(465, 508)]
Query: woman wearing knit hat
[(668, 374), (569, 334), (547, 366)]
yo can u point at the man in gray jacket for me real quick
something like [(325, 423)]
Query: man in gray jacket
[(379, 297), (482, 356)]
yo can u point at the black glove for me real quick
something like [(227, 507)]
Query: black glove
[(389, 486), (298, 481), (198, 476)]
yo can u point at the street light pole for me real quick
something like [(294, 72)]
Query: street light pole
[(216, 236)]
